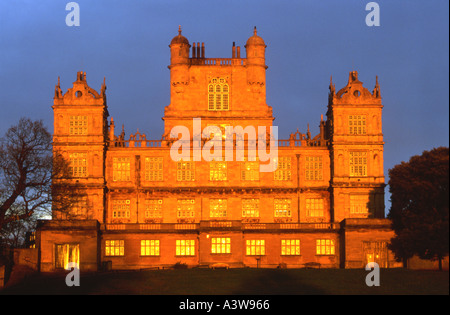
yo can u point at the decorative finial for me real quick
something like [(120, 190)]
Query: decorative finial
[(103, 85), (332, 88), (376, 90), (179, 29), (254, 31), (58, 92)]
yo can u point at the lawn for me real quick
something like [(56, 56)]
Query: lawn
[(238, 282)]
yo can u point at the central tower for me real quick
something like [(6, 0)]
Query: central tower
[(220, 91)]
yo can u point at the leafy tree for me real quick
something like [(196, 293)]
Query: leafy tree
[(420, 206)]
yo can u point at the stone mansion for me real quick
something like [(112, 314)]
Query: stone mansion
[(138, 207)]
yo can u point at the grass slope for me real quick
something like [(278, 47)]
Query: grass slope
[(238, 282)]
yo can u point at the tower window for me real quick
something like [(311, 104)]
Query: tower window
[(360, 205), (358, 163), (78, 164), (357, 124), (78, 125), (218, 94)]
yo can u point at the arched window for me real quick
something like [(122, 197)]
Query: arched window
[(218, 94)]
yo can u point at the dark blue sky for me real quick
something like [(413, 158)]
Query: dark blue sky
[(307, 41)]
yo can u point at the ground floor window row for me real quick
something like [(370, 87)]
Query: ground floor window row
[(220, 245), (69, 253)]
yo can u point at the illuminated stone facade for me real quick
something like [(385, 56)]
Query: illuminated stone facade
[(141, 208)]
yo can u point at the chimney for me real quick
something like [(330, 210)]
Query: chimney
[(238, 52), (198, 50), (203, 50), (194, 51), (233, 52)]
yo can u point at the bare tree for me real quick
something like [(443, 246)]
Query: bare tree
[(27, 168)]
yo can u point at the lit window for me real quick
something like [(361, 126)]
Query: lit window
[(185, 248), (314, 207), (78, 164), (114, 248), (325, 247), (357, 124), (314, 168), (153, 208), (250, 208), (121, 169), (290, 247), (359, 205), (250, 170), (255, 247), (185, 171), (217, 171), (358, 163), (67, 253), (153, 169), (218, 95), (282, 208), (149, 247), (185, 208), (220, 245), (78, 125), (218, 208), (121, 209), (283, 171)]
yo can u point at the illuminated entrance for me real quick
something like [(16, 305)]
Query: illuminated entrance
[(67, 253), (375, 252)]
